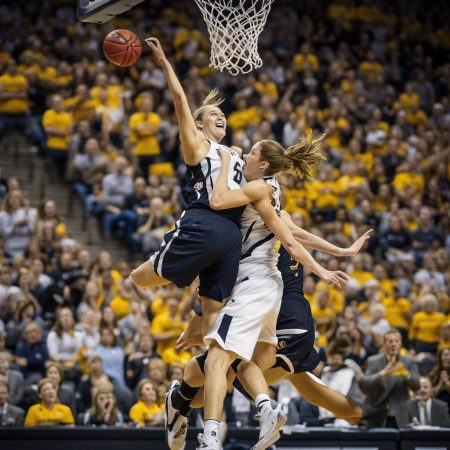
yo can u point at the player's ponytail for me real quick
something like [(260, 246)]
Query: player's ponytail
[(211, 99), (299, 158)]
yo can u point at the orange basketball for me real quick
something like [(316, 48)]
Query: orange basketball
[(122, 47)]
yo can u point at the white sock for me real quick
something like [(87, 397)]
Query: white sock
[(211, 429), (261, 401)]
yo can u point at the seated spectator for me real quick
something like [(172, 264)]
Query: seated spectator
[(137, 362), (112, 355), (426, 237), (440, 376), (425, 410), (89, 168), (115, 187), (104, 411), (426, 325), (303, 412), (150, 235), (64, 391), (395, 241), (146, 412), (95, 378), (157, 374), (17, 222), (337, 375), (32, 353), (64, 344), (13, 377), (166, 328), (386, 382), (49, 412), (10, 415)]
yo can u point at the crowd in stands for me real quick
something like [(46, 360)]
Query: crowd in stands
[(78, 344)]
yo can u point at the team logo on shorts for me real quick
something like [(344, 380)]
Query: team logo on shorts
[(281, 345), (198, 186)]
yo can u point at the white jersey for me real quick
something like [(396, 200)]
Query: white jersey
[(202, 177), (258, 243)]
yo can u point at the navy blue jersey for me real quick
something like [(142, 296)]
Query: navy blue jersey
[(292, 273), (200, 181), (295, 311)]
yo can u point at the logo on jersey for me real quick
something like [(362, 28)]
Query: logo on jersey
[(198, 187), (281, 345)]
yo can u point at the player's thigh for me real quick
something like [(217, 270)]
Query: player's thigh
[(264, 355), (144, 276)]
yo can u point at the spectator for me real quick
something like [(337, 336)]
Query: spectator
[(17, 222), (157, 374), (112, 355), (426, 410), (426, 325), (115, 186), (49, 412), (13, 377), (386, 382), (104, 411), (138, 361), (10, 415), (58, 127), (32, 353), (440, 376), (144, 127), (64, 344), (146, 412)]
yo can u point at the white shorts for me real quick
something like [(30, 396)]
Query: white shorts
[(249, 316)]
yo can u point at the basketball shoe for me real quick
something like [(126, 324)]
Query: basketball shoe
[(271, 421), (175, 423)]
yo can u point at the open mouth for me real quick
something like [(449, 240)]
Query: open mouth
[(220, 125)]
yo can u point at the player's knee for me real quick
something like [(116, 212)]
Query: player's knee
[(218, 360)]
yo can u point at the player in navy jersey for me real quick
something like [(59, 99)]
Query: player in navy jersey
[(183, 254)]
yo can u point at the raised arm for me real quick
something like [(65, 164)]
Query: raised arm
[(314, 242), (223, 198), (295, 249), (194, 146)]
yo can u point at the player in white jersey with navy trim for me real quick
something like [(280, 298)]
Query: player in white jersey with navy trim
[(183, 254), (246, 327)]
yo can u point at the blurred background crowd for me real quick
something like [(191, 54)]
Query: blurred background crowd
[(373, 75)]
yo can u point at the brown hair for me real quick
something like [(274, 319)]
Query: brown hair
[(95, 411), (299, 158), (141, 385), (339, 347), (57, 327), (210, 100), (42, 383)]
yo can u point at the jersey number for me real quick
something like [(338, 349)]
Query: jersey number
[(237, 173)]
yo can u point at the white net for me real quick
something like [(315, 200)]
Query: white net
[(234, 27)]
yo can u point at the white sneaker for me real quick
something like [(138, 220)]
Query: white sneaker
[(175, 424), (271, 421), (208, 444)]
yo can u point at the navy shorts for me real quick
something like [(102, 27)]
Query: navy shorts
[(205, 244), (296, 352)]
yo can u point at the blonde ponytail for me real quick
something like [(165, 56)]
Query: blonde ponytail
[(211, 99), (299, 158)]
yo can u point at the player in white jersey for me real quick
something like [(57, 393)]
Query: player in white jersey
[(183, 254), (246, 327)]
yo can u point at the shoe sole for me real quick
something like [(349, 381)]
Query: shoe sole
[(267, 440)]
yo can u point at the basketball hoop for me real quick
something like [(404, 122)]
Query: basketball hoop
[(234, 27)]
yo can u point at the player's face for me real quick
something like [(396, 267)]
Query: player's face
[(214, 123), (253, 165)]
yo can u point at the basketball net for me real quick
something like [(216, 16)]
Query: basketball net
[(234, 27)]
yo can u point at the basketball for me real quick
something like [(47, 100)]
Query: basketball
[(122, 48)]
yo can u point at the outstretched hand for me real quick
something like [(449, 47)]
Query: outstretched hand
[(157, 50), (356, 246), (335, 278)]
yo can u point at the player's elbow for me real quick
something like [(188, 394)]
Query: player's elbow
[(216, 203)]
